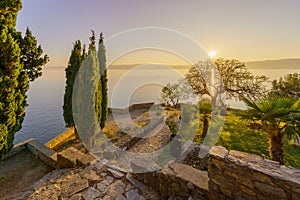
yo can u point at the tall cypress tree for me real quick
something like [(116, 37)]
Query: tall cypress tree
[(14, 76), (74, 64), (103, 73), (98, 93)]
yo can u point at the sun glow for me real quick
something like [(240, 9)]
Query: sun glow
[(212, 54)]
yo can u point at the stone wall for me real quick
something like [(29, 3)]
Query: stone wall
[(131, 107), (231, 175), (238, 175), (177, 181), (61, 138)]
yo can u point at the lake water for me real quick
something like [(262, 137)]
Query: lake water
[(44, 118)]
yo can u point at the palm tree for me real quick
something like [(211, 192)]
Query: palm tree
[(278, 116)]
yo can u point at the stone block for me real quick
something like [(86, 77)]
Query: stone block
[(84, 160), (190, 174), (218, 152), (270, 191), (44, 153), (68, 157)]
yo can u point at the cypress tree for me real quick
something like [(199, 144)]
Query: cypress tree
[(103, 75), (16, 69), (86, 95), (74, 64), (98, 93)]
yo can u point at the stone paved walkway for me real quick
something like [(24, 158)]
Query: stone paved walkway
[(93, 182)]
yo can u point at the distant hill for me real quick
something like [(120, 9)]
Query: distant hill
[(290, 63), (275, 64), (131, 66)]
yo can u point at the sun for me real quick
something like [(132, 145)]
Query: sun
[(212, 54)]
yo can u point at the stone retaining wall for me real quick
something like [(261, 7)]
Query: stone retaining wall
[(239, 175), (177, 180)]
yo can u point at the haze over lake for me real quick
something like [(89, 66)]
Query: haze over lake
[(44, 118)]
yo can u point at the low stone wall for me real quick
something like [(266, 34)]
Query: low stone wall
[(44, 153), (177, 180), (239, 175), (61, 138), (130, 108)]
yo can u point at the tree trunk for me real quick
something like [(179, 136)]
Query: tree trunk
[(76, 133), (205, 126), (276, 148)]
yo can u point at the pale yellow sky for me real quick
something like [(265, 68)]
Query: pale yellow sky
[(245, 30)]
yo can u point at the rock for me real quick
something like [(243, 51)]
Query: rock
[(109, 179), (102, 186), (106, 197), (121, 197), (92, 193), (103, 174), (50, 177), (133, 195), (91, 176), (76, 184), (128, 187), (135, 182), (115, 173), (75, 197), (218, 152), (99, 166), (67, 158), (116, 188), (84, 160)]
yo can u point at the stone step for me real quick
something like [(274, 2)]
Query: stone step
[(72, 157)]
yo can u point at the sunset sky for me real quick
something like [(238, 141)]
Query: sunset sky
[(246, 30)]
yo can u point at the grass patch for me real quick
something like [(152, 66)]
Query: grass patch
[(237, 135)]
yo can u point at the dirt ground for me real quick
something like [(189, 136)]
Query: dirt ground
[(18, 173)]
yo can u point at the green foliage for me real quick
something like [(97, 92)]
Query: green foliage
[(75, 61), (13, 88), (8, 13), (94, 67), (205, 106), (173, 126), (32, 58), (83, 105), (277, 116), (104, 80), (16, 67), (171, 95), (287, 86)]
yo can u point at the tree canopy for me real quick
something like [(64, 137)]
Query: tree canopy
[(287, 86), (20, 62), (236, 79)]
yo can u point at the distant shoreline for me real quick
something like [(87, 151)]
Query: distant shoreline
[(289, 63)]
